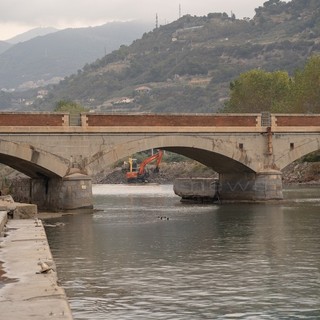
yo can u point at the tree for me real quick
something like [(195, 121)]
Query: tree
[(305, 96), (258, 90), (69, 106), (271, 3)]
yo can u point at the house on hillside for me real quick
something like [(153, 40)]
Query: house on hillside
[(42, 93), (143, 90), (124, 100)]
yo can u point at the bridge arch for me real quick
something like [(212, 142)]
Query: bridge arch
[(215, 153), (296, 148), (31, 161)]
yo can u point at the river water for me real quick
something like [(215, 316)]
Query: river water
[(234, 261)]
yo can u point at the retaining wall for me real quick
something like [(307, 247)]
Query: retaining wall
[(30, 293)]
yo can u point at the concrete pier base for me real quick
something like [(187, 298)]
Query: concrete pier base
[(55, 194), (265, 185), (261, 186), (72, 192), (76, 192), (196, 189)]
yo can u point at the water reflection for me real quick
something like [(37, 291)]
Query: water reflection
[(205, 262)]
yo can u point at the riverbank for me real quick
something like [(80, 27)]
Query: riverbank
[(167, 174), (295, 173), (28, 281)]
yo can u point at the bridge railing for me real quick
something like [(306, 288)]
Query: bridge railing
[(296, 120), (33, 119), (64, 122), (172, 120)]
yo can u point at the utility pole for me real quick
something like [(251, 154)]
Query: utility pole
[(156, 21), (179, 10)]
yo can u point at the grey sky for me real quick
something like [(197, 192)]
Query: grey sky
[(17, 16)]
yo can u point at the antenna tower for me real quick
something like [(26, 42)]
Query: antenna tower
[(179, 10), (156, 21)]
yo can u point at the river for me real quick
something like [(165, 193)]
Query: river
[(145, 255)]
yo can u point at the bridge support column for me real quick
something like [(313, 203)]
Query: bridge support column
[(76, 192), (71, 192), (265, 185)]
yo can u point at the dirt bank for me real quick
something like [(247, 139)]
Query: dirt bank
[(297, 172), (168, 172), (301, 172)]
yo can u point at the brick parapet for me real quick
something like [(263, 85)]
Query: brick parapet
[(46, 122), (32, 119), (297, 120), (142, 120)]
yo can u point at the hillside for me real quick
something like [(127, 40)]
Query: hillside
[(47, 58), (4, 46), (186, 66), (33, 33)]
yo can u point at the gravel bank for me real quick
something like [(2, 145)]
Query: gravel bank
[(295, 173)]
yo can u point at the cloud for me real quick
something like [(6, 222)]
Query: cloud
[(69, 13), (51, 11)]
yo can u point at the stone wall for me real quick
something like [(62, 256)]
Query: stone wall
[(20, 189)]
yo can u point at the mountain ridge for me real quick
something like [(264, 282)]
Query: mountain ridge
[(62, 52), (30, 34), (188, 64)]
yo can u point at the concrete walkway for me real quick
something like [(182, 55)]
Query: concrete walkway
[(28, 293)]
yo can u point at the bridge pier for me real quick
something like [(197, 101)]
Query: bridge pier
[(266, 185), (69, 193), (76, 192)]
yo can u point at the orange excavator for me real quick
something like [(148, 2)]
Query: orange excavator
[(139, 173)]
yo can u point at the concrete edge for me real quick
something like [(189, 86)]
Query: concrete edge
[(3, 221), (31, 290)]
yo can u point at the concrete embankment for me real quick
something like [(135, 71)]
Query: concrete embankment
[(30, 288)]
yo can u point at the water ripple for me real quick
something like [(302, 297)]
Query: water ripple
[(229, 262)]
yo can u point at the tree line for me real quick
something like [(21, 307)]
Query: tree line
[(277, 92)]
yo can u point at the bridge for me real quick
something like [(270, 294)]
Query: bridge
[(60, 152)]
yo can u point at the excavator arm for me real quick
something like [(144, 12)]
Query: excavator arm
[(157, 156), (140, 175)]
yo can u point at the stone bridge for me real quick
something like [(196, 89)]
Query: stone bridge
[(61, 152)]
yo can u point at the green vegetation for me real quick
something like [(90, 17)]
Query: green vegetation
[(305, 94), (312, 157), (69, 106), (258, 90)]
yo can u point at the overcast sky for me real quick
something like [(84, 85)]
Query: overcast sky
[(17, 16)]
